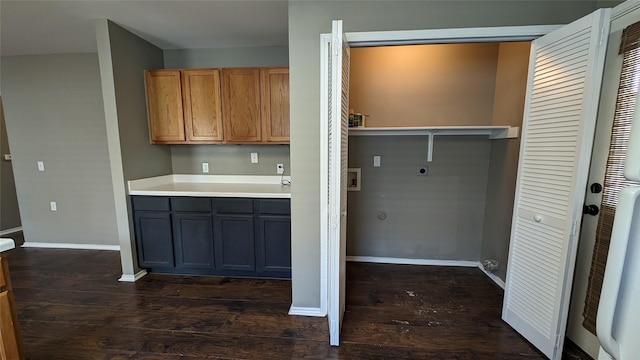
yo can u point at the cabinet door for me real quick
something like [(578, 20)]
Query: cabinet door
[(154, 238), (275, 104), (241, 105), (193, 241), (164, 106), (273, 250), (234, 242), (202, 105), (10, 340)]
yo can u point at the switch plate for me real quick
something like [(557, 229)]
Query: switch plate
[(376, 161), (254, 158), (54, 206), (40, 165), (205, 167), (280, 169)]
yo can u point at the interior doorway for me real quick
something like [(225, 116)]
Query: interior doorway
[(331, 256), (553, 62)]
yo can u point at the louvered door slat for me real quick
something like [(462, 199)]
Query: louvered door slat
[(554, 157)]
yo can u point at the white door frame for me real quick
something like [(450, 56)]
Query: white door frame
[(381, 38)]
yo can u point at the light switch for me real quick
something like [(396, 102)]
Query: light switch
[(54, 206), (376, 161), (40, 165)]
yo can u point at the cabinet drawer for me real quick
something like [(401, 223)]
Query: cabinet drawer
[(191, 204), (274, 206), (152, 203), (233, 206)]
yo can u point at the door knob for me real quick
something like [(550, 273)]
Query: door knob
[(595, 188), (591, 210)]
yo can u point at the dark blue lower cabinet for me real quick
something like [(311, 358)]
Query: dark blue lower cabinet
[(154, 239), (235, 243), (214, 236), (273, 248), (193, 241)]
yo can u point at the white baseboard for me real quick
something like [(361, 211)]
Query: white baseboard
[(492, 276), (31, 244), (307, 311), (391, 260), (133, 278), (10, 231)]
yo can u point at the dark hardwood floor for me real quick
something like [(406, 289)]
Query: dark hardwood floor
[(71, 306)]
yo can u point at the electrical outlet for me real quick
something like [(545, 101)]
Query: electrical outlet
[(7, 157), (280, 169), (254, 158), (40, 165), (422, 170), (376, 161), (205, 167), (54, 206)]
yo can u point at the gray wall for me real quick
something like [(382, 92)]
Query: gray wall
[(439, 216), (227, 57), (508, 107), (228, 159), (54, 113), (309, 19), (9, 213), (123, 58)]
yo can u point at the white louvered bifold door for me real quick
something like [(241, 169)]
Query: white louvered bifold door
[(560, 113), (338, 161)]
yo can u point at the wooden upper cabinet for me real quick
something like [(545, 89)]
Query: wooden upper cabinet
[(202, 105), (207, 106), (275, 104), (241, 105), (164, 106)]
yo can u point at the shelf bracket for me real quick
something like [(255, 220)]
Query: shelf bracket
[(430, 147)]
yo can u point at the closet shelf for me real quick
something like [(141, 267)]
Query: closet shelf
[(494, 132)]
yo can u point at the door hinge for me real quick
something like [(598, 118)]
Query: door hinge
[(574, 227), (334, 47), (334, 221), (601, 36), (558, 339)]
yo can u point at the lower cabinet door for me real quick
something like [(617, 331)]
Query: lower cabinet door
[(154, 239), (273, 236), (193, 241), (234, 242)]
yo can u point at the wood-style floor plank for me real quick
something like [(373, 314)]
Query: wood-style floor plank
[(71, 306)]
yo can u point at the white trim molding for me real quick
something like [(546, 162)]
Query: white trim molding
[(133, 278), (406, 261), (10, 231), (31, 244), (492, 276), (450, 36), (307, 311)]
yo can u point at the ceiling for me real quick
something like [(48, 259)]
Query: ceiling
[(52, 27)]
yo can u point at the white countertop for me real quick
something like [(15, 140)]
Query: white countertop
[(212, 186), (6, 244)]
